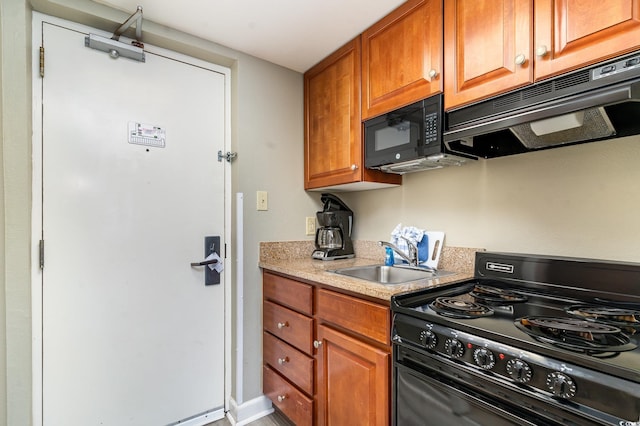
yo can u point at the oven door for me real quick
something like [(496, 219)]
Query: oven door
[(430, 391), (422, 399)]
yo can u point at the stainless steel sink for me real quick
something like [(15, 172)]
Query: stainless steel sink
[(382, 274)]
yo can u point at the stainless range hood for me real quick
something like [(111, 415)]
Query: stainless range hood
[(596, 103)]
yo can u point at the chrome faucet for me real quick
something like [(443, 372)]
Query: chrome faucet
[(412, 258)]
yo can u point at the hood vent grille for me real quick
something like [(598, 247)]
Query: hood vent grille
[(572, 80), (537, 90), (507, 100), (540, 89)]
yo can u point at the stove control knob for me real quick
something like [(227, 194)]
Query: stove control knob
[(484, 358), (428, 339), (519, 370), (561, 385), (454, 348)]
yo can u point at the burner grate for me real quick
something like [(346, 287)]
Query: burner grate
[(495, 295), (627, 319), (458, 308), (576, 334)]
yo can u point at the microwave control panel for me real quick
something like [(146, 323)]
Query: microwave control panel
[(430, 127)]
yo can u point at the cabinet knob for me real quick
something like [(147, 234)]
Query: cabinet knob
[(354, 167), (282, 398), (520, 59), (282, 325), (281, 361), (433, 74), (317, 343), (541, 51)]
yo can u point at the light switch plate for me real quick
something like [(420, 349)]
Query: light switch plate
[(262, 201), (310, 228)]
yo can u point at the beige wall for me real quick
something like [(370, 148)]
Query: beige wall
[(270, 129), (15, 291), (581, 200)]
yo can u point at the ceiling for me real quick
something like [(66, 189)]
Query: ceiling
[(295, 34)]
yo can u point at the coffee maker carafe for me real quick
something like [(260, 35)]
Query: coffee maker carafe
[(333, 236)]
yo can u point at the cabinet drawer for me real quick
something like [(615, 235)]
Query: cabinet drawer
[(287, 292), (362, 317), (292, 327), (290, 362), (293, 403)]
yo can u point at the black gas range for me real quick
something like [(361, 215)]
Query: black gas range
[(537, 340)]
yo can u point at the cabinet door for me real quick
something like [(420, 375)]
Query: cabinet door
[(572, 34), (333, 151), (488, 48), (353, 382), (398, 55)]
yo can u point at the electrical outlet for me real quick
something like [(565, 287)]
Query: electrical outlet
[(311, 226), (262, 201)]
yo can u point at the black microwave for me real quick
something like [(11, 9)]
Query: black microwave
[(408, 139)]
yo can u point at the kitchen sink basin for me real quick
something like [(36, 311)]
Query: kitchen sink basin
[(382, 274)]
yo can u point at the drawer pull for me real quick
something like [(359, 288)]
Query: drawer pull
[(282, 325), (284, 360), (317, 343), (282, 398)]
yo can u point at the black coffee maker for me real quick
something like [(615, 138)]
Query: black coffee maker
[(333, 236)]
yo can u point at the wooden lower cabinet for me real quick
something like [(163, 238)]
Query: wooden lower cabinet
[(352, 381), (327, 355), (294, 404)]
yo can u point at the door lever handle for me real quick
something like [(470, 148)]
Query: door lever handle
[(205, 262)]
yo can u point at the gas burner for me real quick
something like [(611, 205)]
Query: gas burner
[(495, 295), (576, 334), (626, 319), (457, 308)]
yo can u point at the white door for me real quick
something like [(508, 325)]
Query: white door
[(130, 333)]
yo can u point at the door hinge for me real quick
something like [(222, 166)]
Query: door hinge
[(41, 252), (229, 156), (41, 61)]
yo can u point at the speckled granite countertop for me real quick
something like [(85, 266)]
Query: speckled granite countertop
[(293, 258)]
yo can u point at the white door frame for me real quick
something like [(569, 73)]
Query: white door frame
[(36, 206)]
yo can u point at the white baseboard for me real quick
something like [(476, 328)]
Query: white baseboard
[(249, 411), (203, 419)]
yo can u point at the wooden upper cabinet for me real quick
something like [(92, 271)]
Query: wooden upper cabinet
[(333, 153), (487, 48), (494, 46), (572, 34), (402, 57), (332, 119)]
